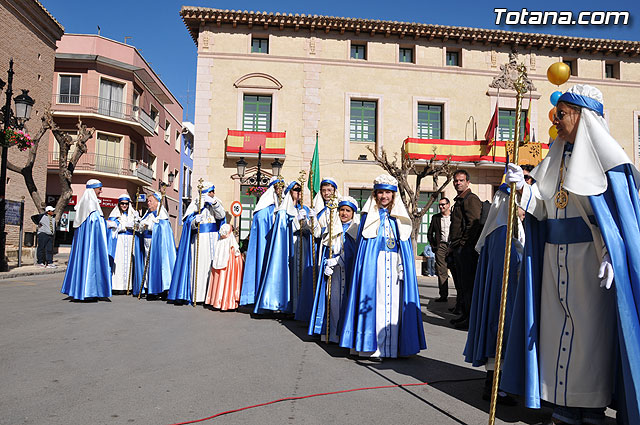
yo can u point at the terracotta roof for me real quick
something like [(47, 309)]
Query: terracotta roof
[(44, 9), (194, 16)]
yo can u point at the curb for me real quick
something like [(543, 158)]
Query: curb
[(14, 274)]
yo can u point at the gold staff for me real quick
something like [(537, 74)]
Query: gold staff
[(301, 180), (520, 87), (133, 244), (195, 278), (313, 229), (332, 205)]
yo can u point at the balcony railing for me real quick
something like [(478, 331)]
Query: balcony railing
[(108, 164), (102, 106)]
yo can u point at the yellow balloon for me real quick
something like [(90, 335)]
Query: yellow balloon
[(553, 132), (558, 73)]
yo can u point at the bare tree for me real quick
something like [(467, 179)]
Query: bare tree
[(401, 168)]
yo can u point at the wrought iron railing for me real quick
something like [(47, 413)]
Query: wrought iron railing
[(102, 106), (108, 164)]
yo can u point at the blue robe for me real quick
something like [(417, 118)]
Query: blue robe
[(359, 329), (487, 292), (161, 261), (88, 273), (278, 287), (318, 322), (258, 242), (181, 281), (617, 212)]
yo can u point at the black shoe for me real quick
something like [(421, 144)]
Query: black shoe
[(440, 300), (458, 319), (455, 310), (462, 326), (503, 398)]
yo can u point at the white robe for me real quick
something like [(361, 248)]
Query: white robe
[(206, 250), (577, 317), (122, 260)]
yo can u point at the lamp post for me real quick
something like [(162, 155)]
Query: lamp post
[(241, 168), (163, 188), (24, 103)]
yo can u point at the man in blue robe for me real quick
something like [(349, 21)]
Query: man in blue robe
[(88, 273), (263, 215), (209, 219), (382, 314), (339, 266), (281, 289), (159, 247), (574, 339)]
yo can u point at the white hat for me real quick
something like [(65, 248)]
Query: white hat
[(49, 208)]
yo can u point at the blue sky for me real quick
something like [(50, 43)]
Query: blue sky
[(158, 32)]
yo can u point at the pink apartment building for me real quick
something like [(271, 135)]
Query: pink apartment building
[(137, 119)]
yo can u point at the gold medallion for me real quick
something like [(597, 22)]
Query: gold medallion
[(391, 243), (561, 199)]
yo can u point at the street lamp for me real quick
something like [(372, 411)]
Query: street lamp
[(241, 167), (24, 103), (258, 180), (276, 167)]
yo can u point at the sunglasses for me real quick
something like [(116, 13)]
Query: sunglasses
[(296, 189), (124, 203), (560, 115), (442, 205)]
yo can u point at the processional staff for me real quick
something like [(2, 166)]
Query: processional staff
[(133, 244), (332, 205), (521, 88), (301, 180), (195, 277)]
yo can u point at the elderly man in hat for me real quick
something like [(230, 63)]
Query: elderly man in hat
[(575, 333), (46, 230), (88, 273)]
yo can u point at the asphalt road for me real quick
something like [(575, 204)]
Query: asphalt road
[(125, 361)]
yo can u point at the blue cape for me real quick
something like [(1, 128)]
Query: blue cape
[(487, 292), (317, 324), (276, 290), (359, 328), (258, 242), (161, 261), (181, 281), (617, 211), (88, 273)]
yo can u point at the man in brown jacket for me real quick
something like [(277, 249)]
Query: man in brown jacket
[(463, 236)]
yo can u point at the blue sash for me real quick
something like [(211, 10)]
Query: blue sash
[(568, 231)]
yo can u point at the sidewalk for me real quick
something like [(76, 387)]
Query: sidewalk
[(60, 260)]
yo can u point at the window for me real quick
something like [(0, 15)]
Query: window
[(153, 114), (452, 58), (359, 51), (136, 104), (248, 203), (406, 55), (186, 182), (426, 220), (108, 158), (152, 164), (429, 121), (165, 172), (363, 121), (176, 180), (573, 66), (507, 124), (133, 151), (259, 45), (69, 91), (612, 70), (167, 132), (111, 96), (256, 114), (177, 141), (360, 195)]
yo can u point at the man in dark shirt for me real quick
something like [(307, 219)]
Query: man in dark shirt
[(438, 236), (463, 236)]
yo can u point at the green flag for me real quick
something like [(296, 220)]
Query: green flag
[(314, 172)]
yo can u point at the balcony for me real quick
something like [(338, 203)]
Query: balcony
[(247, 143), (95, 106), (115, 166)]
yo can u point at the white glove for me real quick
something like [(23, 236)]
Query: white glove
[(302, 214), (198, 218), (400, 272), (121, 227), (606, 272), (331, 262), (129, 225), (112, 224), (312, 213), (515, 175), (328, 271)]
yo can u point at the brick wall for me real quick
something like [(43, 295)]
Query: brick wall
[(23, 38)]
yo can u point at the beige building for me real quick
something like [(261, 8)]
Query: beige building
[(28, 34), (364, 84)]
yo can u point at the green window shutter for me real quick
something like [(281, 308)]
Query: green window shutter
[(406, 55), (361, 196), (429, 121), (256, 114), (507, 124), (358, 51), (259, 45), (363, 121)]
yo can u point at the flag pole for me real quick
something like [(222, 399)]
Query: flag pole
[(520, 87)]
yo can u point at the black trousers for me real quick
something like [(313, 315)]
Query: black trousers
[(442, 271), (45, 248), (466, 259)]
